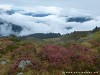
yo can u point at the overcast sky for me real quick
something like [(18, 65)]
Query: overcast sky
[(88, 5)]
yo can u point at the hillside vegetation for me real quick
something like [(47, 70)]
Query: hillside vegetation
[(75, 52)]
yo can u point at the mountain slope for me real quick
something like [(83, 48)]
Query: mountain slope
[(79, 19), (9, 27)]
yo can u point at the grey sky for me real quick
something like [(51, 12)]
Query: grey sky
[(88, 5)]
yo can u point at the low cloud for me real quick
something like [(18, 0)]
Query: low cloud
[(55, 23)]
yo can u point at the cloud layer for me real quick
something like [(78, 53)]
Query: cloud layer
[(56, 22)]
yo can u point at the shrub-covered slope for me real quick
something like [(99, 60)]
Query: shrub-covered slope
[(76, 52)]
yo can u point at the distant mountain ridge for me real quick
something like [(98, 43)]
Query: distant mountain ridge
[(12, 28), (79, 19)]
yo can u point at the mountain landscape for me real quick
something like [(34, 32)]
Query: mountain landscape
[(49, 37), (50, 54)]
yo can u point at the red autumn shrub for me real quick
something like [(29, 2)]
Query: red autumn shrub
[(95, 43), (55, 54), (59, 55), (81, 53)]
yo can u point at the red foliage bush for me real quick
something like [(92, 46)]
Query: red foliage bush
[(81, 53), (95, 43), (55, 54), (59, 56)]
